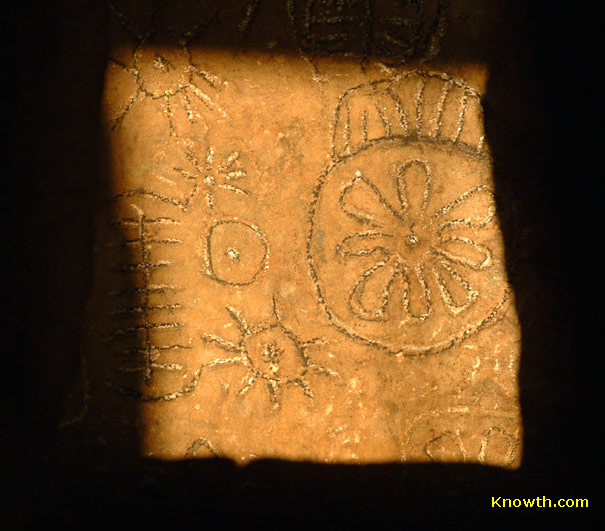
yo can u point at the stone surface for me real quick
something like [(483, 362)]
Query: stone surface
[(299, 253)]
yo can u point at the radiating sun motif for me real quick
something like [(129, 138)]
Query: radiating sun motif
[(206, 177), (164, 71), (220, 175), (157, 80), (270, 353)]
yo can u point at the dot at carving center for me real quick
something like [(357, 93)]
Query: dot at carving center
[(411, 240), (272, 353), (233, 254), (160, 63)]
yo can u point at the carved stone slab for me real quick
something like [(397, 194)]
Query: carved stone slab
[(299, 248)]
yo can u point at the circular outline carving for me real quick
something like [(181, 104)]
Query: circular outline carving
[(406, 350), (206, 252)]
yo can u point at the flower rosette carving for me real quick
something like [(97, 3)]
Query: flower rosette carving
[(405, 247), (408, 243)]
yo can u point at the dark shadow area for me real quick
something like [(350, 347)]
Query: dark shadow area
[(532, 118)]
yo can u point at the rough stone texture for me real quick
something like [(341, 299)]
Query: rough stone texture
[(299, 252)]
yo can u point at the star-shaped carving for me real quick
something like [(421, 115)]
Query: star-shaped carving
[(271, 353)]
